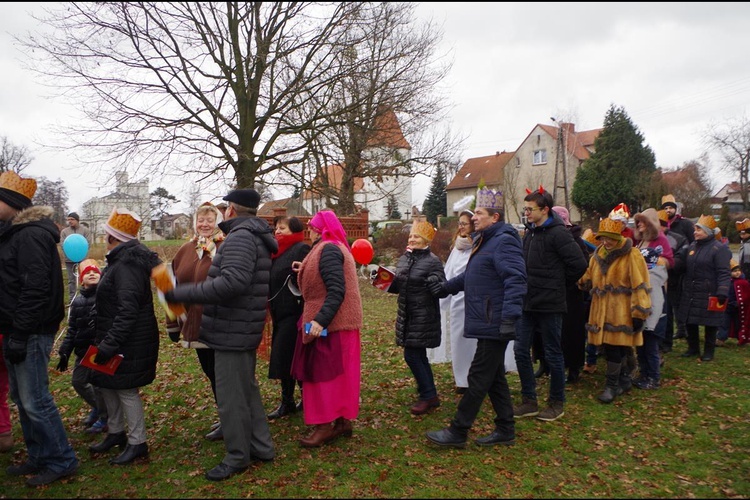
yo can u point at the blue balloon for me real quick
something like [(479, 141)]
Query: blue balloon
[(75, 247)]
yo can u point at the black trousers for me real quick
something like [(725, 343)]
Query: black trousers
[(486, 377)]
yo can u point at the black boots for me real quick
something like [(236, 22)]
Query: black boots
[(709, 345), (627, 367), (693, 342), (612, 389), (287, 405), (132, 451), (119, 439)]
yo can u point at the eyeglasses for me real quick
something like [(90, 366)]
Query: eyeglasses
[(463, 224), (531, 209)]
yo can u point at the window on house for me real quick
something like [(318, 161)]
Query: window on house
[(518, 162), (540, 156)]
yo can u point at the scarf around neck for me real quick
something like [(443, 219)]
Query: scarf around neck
[(463, 244), (208, 244), (286, 241)]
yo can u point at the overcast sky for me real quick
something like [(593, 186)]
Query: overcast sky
[(676, 68)]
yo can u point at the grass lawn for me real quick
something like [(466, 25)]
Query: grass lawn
[(689, 439)]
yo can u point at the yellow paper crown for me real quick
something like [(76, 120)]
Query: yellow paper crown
[(608, 225), (733, 263), (663, 216), (668, 198), (125, 222), (708, 221), (424, 229), (742, 225), (14, 182)]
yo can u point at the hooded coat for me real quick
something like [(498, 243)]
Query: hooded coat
[(706, 273), (235, 293), (31, 281), (125, 319), (619, 284)]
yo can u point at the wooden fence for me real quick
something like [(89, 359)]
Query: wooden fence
[(356, 226)]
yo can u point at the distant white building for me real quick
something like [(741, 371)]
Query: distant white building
[(378, 194), (131, 195)]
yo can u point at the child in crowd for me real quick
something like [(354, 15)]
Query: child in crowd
[(80, 335), (737, 315)]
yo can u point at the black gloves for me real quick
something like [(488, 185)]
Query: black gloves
[(103, 356), (508, 330), (174, 333), (62, 365), (16, 350), (637, 324), (721, 299), (169, 296), (436, 287)]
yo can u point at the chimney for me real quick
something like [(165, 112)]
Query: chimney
[(568, 128)]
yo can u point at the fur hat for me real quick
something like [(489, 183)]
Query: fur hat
[(16, 191), (423, 229), (610, 228), (564, 214), (733, 264), (85, 266), (620, 213), (246, 197), (487, 198), (742, 225), (123, 224), (668, 201), (708, 224), (652, 227)]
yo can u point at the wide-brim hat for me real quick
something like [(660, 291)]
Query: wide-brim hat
[(123, 224), (16, 191)]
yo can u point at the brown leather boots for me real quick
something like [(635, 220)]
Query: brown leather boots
[(326, 433)]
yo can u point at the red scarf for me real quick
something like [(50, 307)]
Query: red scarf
[(286, 241)]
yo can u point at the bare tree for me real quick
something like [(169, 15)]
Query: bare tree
[(691, 186), (52, 194), (731, 140), (193, 87), (13, 158)]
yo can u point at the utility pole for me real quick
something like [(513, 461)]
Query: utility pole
[(561, 160)]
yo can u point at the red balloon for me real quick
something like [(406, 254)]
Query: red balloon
[(362, 251)]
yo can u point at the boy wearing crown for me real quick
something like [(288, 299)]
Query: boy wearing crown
[(553, 260), (31, 309)]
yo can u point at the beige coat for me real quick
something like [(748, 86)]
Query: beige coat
[(619, 285)]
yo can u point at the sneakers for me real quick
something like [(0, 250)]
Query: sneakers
[(527, 408), (99, 427), (47, 476), (552, 412), (590, 369)]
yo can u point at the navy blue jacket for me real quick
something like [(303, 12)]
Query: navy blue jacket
[(494, 282)]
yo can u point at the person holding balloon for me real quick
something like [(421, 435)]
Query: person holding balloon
[(75, 247), (418, 321), (327, 352), (31, 310)]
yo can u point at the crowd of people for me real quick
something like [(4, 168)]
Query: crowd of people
[(557, 294)]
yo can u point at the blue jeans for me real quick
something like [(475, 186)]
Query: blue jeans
[(722, 333), (46, 442), (416, 359), (549, 327), (648, 356)]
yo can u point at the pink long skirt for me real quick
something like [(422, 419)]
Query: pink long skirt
[(324, 402)]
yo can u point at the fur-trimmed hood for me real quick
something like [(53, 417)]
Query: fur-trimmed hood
[(650, 218), (40, 216)]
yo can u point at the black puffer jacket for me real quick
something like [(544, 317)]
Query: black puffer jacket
[(418, 320), (31, 282), (125, 320), (554, 261), (235, 293), (706, 273), (81, 331)]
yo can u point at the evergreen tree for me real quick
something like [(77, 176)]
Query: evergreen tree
[(619, 171), (436, 202)]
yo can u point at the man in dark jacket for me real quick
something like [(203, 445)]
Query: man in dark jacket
[(235, 296), (126, 325), (31, 309), (553, 262), (676, 225), (494, 284)]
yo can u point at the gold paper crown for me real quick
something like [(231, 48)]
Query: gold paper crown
[(742, 225), (424, 229), (663, 216), (590, 236), (708, 221), (608, 225), (668, 198), (14, 182), (487, 198), (125, 222), (733, 263)]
